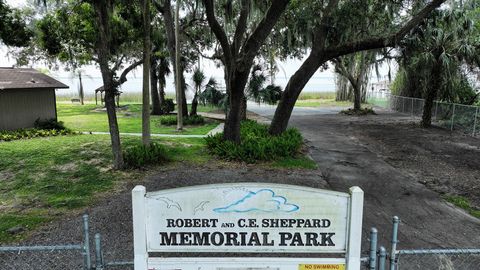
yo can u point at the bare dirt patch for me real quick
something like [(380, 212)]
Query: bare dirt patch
[(446, 162), (6, 175), (404, 170), (68, 167)]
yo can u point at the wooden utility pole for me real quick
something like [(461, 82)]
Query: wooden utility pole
[(178, 84)]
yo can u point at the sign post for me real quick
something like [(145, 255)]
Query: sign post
[(247, 218)]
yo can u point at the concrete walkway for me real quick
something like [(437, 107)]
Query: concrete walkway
[(214, 131), (153, 135)]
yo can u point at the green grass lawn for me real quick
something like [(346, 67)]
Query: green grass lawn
[(316, 95), (320, 99), (89, 118), (380, 102), (322, 103), (45, 177)]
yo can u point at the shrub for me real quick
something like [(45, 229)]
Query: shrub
[(256, 144), (170, 120), (49, 124), (32, 133), (140, 155), (363, 111), (167, 106), (194, 120)]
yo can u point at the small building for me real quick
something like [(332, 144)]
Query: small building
[(25, 96), (381, 86)]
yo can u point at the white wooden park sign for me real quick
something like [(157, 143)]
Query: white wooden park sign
[(247, 218)]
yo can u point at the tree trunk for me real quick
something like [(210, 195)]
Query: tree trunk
[(161, 94), (161, 83), (293, 89), (235, 87), (357, 97), (243, 109), (156, 107), (146, 74), (183, 91), (81, 93), (193, 110), (178, 81), (231, 131), (171, 40), (103, 11), (434, 85), (113, 127)]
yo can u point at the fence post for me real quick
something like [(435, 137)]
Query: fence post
[(412, 106), (382, 259), (373, 249), (396, 221), (98, 253), (87, 263), (475, 122), (453, 117)]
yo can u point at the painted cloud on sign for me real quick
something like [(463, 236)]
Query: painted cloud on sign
[(263, 200)]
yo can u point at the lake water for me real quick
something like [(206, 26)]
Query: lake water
[(134, 84)]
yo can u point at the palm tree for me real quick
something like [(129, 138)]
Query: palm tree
[(212, 96), (163, 72), (198, 80), (433, 56), (256, 83), (256, 90)]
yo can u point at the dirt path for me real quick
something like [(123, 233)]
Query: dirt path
[(351, 151)]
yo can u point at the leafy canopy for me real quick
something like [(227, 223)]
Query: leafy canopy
[(13, 27)]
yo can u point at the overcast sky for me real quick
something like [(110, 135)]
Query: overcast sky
[(320, 82)]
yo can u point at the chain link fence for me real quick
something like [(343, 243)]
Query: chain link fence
[(438, 259), (80, 256), (40, 257), (452, 116), (418, 259)]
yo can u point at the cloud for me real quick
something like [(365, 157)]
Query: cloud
[(263, 200)]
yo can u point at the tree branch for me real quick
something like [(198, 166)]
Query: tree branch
[(241, 27), (123, 76), (381, 42), (342, 70), (261, 32), (118, 63), (215, 56), (218, 30), (319, 34), (158, 6)]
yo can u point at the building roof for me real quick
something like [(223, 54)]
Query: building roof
[(26, 78)]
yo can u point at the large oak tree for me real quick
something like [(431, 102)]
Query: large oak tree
[(239, 48), (334, 36)]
